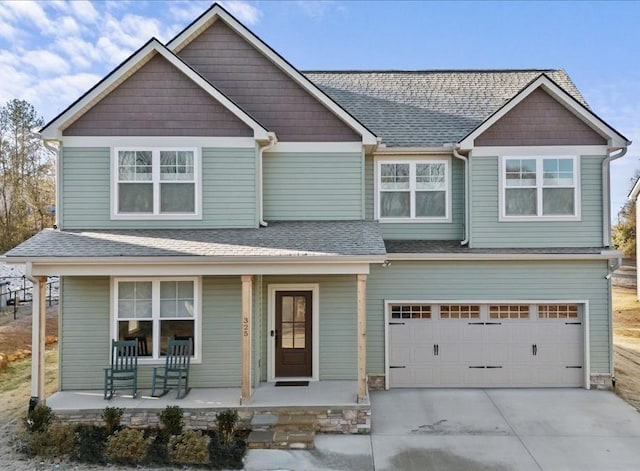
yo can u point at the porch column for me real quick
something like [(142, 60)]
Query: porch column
[(38, 317), (362, 337), (247, 288)]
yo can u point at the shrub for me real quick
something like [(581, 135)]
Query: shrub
[(223, 456), (190, 447), (127, 445), (227, 421), (171, 419), (111, 417), (55, 442), (89, 443), (39, 419)]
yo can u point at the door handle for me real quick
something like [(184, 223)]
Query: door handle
[(535, 349), (436, 349)]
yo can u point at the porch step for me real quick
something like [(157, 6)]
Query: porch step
[(282, 431)]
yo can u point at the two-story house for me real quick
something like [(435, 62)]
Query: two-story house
[(385, 229)]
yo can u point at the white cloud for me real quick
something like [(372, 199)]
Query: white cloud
[(244, 11), (84, 10), (8, 31), (81, 53), (53, 95), (186, 12), (26, 10), (45, 62)]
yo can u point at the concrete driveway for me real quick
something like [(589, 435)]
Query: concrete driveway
[(476, 429)]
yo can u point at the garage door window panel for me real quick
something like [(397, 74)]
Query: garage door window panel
[(508, 311), (558, 311), (410, 311), (459, 311)]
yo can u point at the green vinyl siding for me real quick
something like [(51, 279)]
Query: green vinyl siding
[(337, 320), (84, 332), (228, 191), (490, 281), (453, 230), (312, 186), (84, 339), (488, 231)]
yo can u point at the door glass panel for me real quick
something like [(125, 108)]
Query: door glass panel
[(287, 308), (301, 308), (287, 335), (299, 337)]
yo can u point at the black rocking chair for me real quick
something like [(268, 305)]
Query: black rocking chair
[(123, 373), (175, 373)]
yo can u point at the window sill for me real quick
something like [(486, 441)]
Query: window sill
[(539, 219), (414, 220), (156, 217)]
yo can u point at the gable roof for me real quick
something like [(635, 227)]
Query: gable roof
[(217, 12), (635, 191), (578, 108), (53, 129), (432, 108)]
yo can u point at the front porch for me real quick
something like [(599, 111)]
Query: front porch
[(334, 405)]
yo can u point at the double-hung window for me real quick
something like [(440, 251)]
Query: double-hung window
[(153, 310), (158, 183), (540, 188), (413, 190)]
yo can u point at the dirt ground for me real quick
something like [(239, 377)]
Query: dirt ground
[(626, 341), (15, 379)]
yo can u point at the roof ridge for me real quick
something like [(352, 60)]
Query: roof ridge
[(428, 71)]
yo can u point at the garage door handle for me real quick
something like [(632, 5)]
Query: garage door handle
[(397, 366), (493, 323), (493, 367), (436, 349), (573, 323), (534, 349), (477, 367), (573, 367), (396, 323), (475, 323)]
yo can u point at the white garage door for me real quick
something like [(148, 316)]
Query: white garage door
[(485, 345)]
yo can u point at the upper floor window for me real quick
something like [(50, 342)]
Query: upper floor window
[(535, 188), (156, 183), (413, 190)]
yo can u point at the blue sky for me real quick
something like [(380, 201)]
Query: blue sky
[(51, 52)]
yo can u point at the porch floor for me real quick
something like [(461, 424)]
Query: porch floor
[(317, 394)]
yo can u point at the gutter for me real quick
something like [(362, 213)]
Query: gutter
[(55, 149), (605, 254), (467, 200), (606, 195), (273, 140)]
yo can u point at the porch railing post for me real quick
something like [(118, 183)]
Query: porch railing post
[(246, 328), (362, 337)]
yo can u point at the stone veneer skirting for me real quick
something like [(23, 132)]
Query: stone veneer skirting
[(352, 419), (601, 382), (375, 382)]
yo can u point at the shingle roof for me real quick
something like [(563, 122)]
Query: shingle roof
[(454, 247), (281, 239), (428, 108)]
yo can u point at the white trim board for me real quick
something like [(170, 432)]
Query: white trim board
[(216, 12), (585, 315), (53, 130), (496, 151), (315, 327), (615, 139), (158, 141)]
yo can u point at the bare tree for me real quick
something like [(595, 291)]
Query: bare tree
[(27, 175)]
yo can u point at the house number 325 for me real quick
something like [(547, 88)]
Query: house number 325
[(245, 327)]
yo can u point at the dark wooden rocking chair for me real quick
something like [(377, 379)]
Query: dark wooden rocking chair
[(123, 372), (175, 373)]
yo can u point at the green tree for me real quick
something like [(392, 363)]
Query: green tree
[(624, 233), (27, 175)]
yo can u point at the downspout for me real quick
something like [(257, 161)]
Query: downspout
[(273, 140), (467, 209), (606, 196), (55, 149), (612, 268)]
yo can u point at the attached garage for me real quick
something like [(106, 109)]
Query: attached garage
[(489, 344)]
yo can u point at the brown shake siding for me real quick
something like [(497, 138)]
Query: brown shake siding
[(262, 89), (539, 120), (158, 100)]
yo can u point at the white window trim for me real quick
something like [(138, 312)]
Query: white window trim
[(412, 189), (539, 187), (197, 318), (197, 169)]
